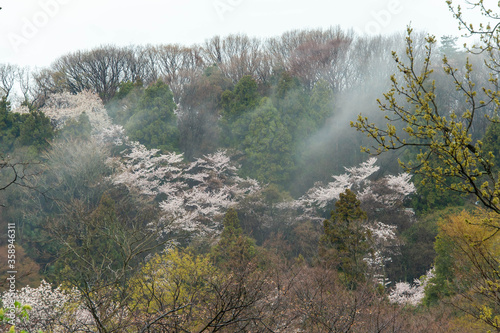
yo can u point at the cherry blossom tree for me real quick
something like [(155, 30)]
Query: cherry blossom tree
[(397, 188), (385, 243), (322, 197), (382, 199), (113, 134), (411, 294), (192, 196), (61, 107), (52, 309)]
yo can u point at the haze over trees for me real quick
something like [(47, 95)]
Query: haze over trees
[(218, 187)]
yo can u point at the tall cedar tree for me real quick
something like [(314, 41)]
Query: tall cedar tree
[(346, 241), (234, 248)]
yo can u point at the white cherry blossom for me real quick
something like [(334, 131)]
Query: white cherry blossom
[(62, 107), (52, 309), (194, 196)]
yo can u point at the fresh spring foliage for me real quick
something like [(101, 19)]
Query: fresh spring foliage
[(467, 264), (415, 120)]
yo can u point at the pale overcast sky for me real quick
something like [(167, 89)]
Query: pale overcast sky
[(36, 32)]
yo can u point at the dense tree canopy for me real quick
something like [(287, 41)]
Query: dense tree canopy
[(216, 187)]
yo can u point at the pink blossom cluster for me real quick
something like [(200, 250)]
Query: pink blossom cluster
[(194, 196), (61, 107), (52, 309), (357, 180), (411, 294)]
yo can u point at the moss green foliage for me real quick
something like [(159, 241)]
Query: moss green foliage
[(292, 101), (267, 146), (93, 238), (154, 123), (73, 171), (305, 114), (245, 97), (272, 131), (236, 106), (100, 249), (32, 130), (321, 103), (430, 197)]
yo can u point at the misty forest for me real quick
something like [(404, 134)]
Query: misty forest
[(317, 181)]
